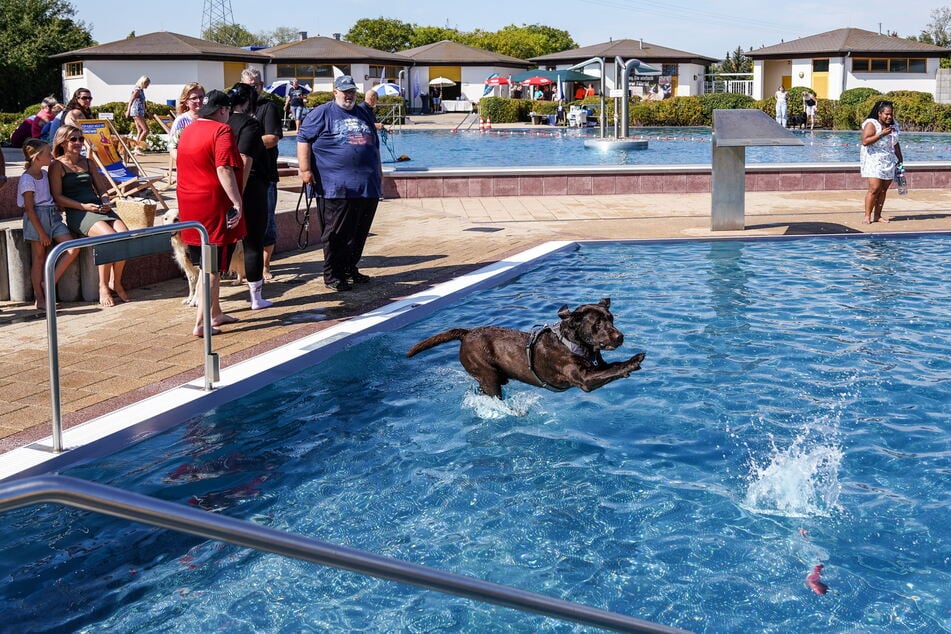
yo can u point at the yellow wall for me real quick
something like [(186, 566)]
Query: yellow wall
[(449, 72), (232, 73)]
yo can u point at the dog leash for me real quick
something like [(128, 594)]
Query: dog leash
[(307, 197)]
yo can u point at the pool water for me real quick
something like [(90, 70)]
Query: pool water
[(666, 146), (791, 412)]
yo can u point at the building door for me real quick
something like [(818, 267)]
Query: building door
[(820, 78), (787, 82), (232, 71)]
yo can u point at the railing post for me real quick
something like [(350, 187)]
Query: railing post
[(49, 274)]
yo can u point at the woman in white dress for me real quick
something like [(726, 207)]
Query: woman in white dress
[(781, 106), (880, 153)]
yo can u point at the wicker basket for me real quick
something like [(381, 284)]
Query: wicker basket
[(136, 213)]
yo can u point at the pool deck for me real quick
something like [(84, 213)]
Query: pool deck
[(112, 357)]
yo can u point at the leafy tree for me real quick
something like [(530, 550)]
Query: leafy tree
[(735, 62), (423, 35), (30, 32), (280, 35), (231, 34), (384, 34), (938, 31), (525, 41)]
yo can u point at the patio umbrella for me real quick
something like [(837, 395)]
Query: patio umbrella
[(497, 80), (387, 90), (441, 82), (280, 87), (537, 81)]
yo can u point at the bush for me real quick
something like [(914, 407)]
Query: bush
[(504, 110), (675, 111), (845, 114), (914, 111), (315, 99), (725, 101), (124, 124)]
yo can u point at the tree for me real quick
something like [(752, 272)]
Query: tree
[(938, 31), (280, 35), (231, 34), (30, 32), (384, 34), (735, 62), (423, 35)]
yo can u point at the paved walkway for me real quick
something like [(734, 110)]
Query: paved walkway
[(111, 357)]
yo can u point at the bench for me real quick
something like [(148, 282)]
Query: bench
[(733, 132)]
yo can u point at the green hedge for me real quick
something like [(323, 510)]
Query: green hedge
[(847, 115)]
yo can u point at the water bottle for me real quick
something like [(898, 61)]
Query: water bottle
[(901, 180)]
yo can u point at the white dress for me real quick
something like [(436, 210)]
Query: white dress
[(878, 159)]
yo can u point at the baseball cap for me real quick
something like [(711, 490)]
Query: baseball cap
[(345, 82), (213, 100)]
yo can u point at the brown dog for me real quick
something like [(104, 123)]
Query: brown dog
[(557, 357)]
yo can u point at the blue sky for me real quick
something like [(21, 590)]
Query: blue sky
[(709, 28)]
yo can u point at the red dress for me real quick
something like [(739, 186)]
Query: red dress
[(203, 146)]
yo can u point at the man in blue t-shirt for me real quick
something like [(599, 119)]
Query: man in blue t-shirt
[(338, 153), (294, 103)]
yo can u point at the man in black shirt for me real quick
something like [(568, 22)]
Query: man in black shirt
[(269, 116)]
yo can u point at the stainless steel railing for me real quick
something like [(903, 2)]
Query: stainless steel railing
[(211, 359), (147, 510)]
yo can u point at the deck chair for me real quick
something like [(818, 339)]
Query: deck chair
[(166, 120), (104, 145)]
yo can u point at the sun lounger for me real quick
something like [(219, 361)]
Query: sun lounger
[(104, 145)]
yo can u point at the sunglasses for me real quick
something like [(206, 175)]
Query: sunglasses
[(199, 98), (87, 98), (75, 139)]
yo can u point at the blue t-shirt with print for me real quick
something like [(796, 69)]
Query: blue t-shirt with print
[(345, 151)]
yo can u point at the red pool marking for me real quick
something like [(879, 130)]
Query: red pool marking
[(813, 580)]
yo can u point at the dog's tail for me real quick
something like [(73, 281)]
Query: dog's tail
[(450, 335)]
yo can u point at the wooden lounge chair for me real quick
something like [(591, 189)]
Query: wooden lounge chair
[(166, 120), (106, 147)]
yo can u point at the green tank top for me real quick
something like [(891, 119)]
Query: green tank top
[(79, 187)]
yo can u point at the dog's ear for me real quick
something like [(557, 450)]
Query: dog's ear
[(606, 302), (564, 312)]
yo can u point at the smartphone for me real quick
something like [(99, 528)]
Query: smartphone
[(232, 214)]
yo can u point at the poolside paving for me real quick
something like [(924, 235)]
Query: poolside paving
[(112, 357)]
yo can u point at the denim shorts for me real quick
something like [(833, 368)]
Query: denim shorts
[(52, 220), (298, 112)]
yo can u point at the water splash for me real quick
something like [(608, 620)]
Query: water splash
[(517, 404), (800, 481)]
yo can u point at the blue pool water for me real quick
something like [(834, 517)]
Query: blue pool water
[(666, 146), (791, 411)]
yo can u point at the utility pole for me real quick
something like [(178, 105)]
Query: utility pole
[(215, 14)]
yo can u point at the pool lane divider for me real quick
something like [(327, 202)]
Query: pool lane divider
[(155, 414)]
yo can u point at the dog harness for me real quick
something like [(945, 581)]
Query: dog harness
[(573, 347)]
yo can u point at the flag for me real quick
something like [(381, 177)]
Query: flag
[(415, 83)]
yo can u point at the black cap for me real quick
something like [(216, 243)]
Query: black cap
[(213, 100)]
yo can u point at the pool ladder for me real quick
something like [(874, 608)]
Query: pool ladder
[(136, 507)]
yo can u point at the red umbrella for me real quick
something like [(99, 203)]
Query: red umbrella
[(537, 81), (497, 81)]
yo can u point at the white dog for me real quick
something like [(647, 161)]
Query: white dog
[(179, 252)]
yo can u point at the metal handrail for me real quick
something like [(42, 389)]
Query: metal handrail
[(211, 359), (147, 510)]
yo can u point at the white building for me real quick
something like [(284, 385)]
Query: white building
[(832, 62), (170, 60)]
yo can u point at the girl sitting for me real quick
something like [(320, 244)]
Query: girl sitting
[(42, 220)]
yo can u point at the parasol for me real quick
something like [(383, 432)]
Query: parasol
[(441, 82), (280, 87)]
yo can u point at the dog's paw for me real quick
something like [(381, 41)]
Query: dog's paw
[(634, 363)]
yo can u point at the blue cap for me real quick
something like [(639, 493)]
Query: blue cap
[(345, 82)]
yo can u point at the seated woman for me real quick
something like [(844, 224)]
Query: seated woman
[(78, 188)]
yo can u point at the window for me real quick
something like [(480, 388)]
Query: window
[(820, 66), (74, 69), (889, 65), (389, 72), (307, 72)]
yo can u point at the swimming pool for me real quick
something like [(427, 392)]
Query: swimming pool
[(667, 146), (791, 412)]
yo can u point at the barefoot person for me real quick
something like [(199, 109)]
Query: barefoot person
[(210, 173), (79, 189), (880, 153), (42, 220)]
